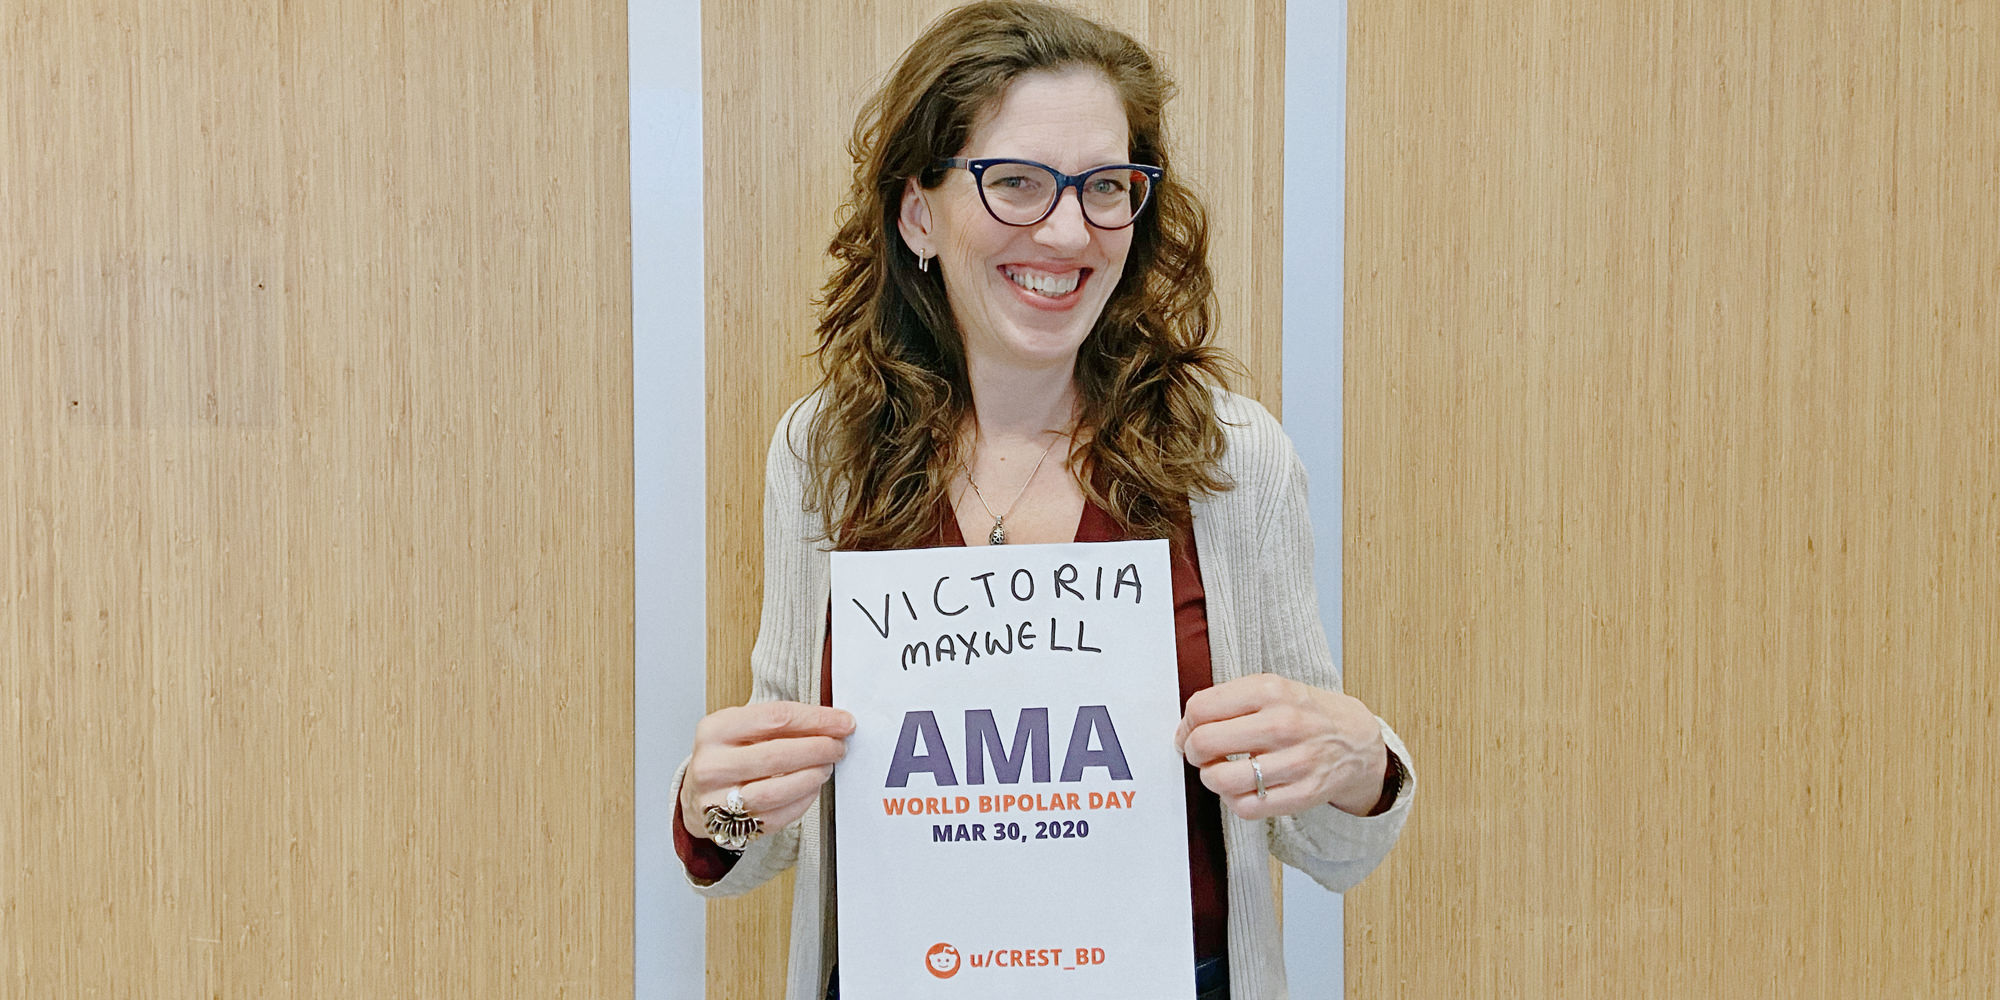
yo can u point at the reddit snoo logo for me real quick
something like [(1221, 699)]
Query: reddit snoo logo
[(942, 960)]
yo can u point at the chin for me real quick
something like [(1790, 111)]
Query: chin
[(1043, 351)]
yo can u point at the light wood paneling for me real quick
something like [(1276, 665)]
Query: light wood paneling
[(1673, 511), (315, 566), (782, 84)]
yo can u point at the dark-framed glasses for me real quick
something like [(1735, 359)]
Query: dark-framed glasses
[(1023, 192)]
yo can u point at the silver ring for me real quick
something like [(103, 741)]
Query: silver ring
[(1257, 772), (731, 826)]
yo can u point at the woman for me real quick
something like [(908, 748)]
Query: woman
[(1015, 347)]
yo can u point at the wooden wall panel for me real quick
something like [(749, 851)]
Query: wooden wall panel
[(315, 560), (782, 84), (1673, 511)]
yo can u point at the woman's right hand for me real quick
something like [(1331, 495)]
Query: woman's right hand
[(776, 753)]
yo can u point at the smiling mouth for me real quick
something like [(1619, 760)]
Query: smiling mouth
[(1053, 286)]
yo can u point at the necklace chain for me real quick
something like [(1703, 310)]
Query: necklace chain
[(998, 536)]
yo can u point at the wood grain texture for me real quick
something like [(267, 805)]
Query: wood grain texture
[(782, 84), (315, 567), (1673, 495)]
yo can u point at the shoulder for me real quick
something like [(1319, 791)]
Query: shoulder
[(787, 463), (791, 439), (795, 427), (1256, 451), (1243, 418)]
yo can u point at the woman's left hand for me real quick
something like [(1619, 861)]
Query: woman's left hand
[(1314, 746)]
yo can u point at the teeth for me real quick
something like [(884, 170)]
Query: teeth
[(1046, 284)]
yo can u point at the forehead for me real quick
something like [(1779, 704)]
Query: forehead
[(1068, 119)]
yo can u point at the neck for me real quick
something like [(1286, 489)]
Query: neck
[(1011, 404)]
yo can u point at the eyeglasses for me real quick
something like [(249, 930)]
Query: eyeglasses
[(1023, 192)]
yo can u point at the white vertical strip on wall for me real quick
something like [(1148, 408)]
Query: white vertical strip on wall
[(668, 463), (1315, 235)]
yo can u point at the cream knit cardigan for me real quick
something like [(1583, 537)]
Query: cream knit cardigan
[(1255, 545)]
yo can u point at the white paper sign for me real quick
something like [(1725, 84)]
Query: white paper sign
[(1009, 817)]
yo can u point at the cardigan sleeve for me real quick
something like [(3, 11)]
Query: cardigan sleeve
[(778, 661), (1337, 849)]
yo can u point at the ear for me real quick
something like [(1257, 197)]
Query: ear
[(913, 220)]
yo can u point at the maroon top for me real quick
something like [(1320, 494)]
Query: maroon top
[(1207, 867)]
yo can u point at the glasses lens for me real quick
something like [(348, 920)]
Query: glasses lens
[(1017, 193), (1113, 196), (1020, 194)]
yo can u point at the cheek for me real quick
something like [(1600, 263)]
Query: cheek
[(1118, 246), (968, 262), (960, 221), (961, 245)]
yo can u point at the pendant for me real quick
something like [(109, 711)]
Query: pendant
[(998, 536)]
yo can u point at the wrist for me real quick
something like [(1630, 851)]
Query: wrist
[(1393, 776)]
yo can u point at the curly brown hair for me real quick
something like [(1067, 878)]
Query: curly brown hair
[(883, 445)]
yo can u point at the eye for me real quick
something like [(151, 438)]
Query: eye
[(1014, 182), (1109, 185)]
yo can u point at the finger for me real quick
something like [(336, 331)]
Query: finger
[(1245, 806), (1289, 785), (777, 719), (736, 765), (773, 796), (778, 819), (771, 720), (779, 802), (1213, 741), (1277, 802), (788, 755), (1230, 699), (1229, 779), (1289, 770)]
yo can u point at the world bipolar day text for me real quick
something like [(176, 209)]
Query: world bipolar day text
[(953, 805)]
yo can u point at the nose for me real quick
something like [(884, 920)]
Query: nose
[(1064, 229)]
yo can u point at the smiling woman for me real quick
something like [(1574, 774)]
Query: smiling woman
[(1025, 294), (997, 330), (1016, 346)]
